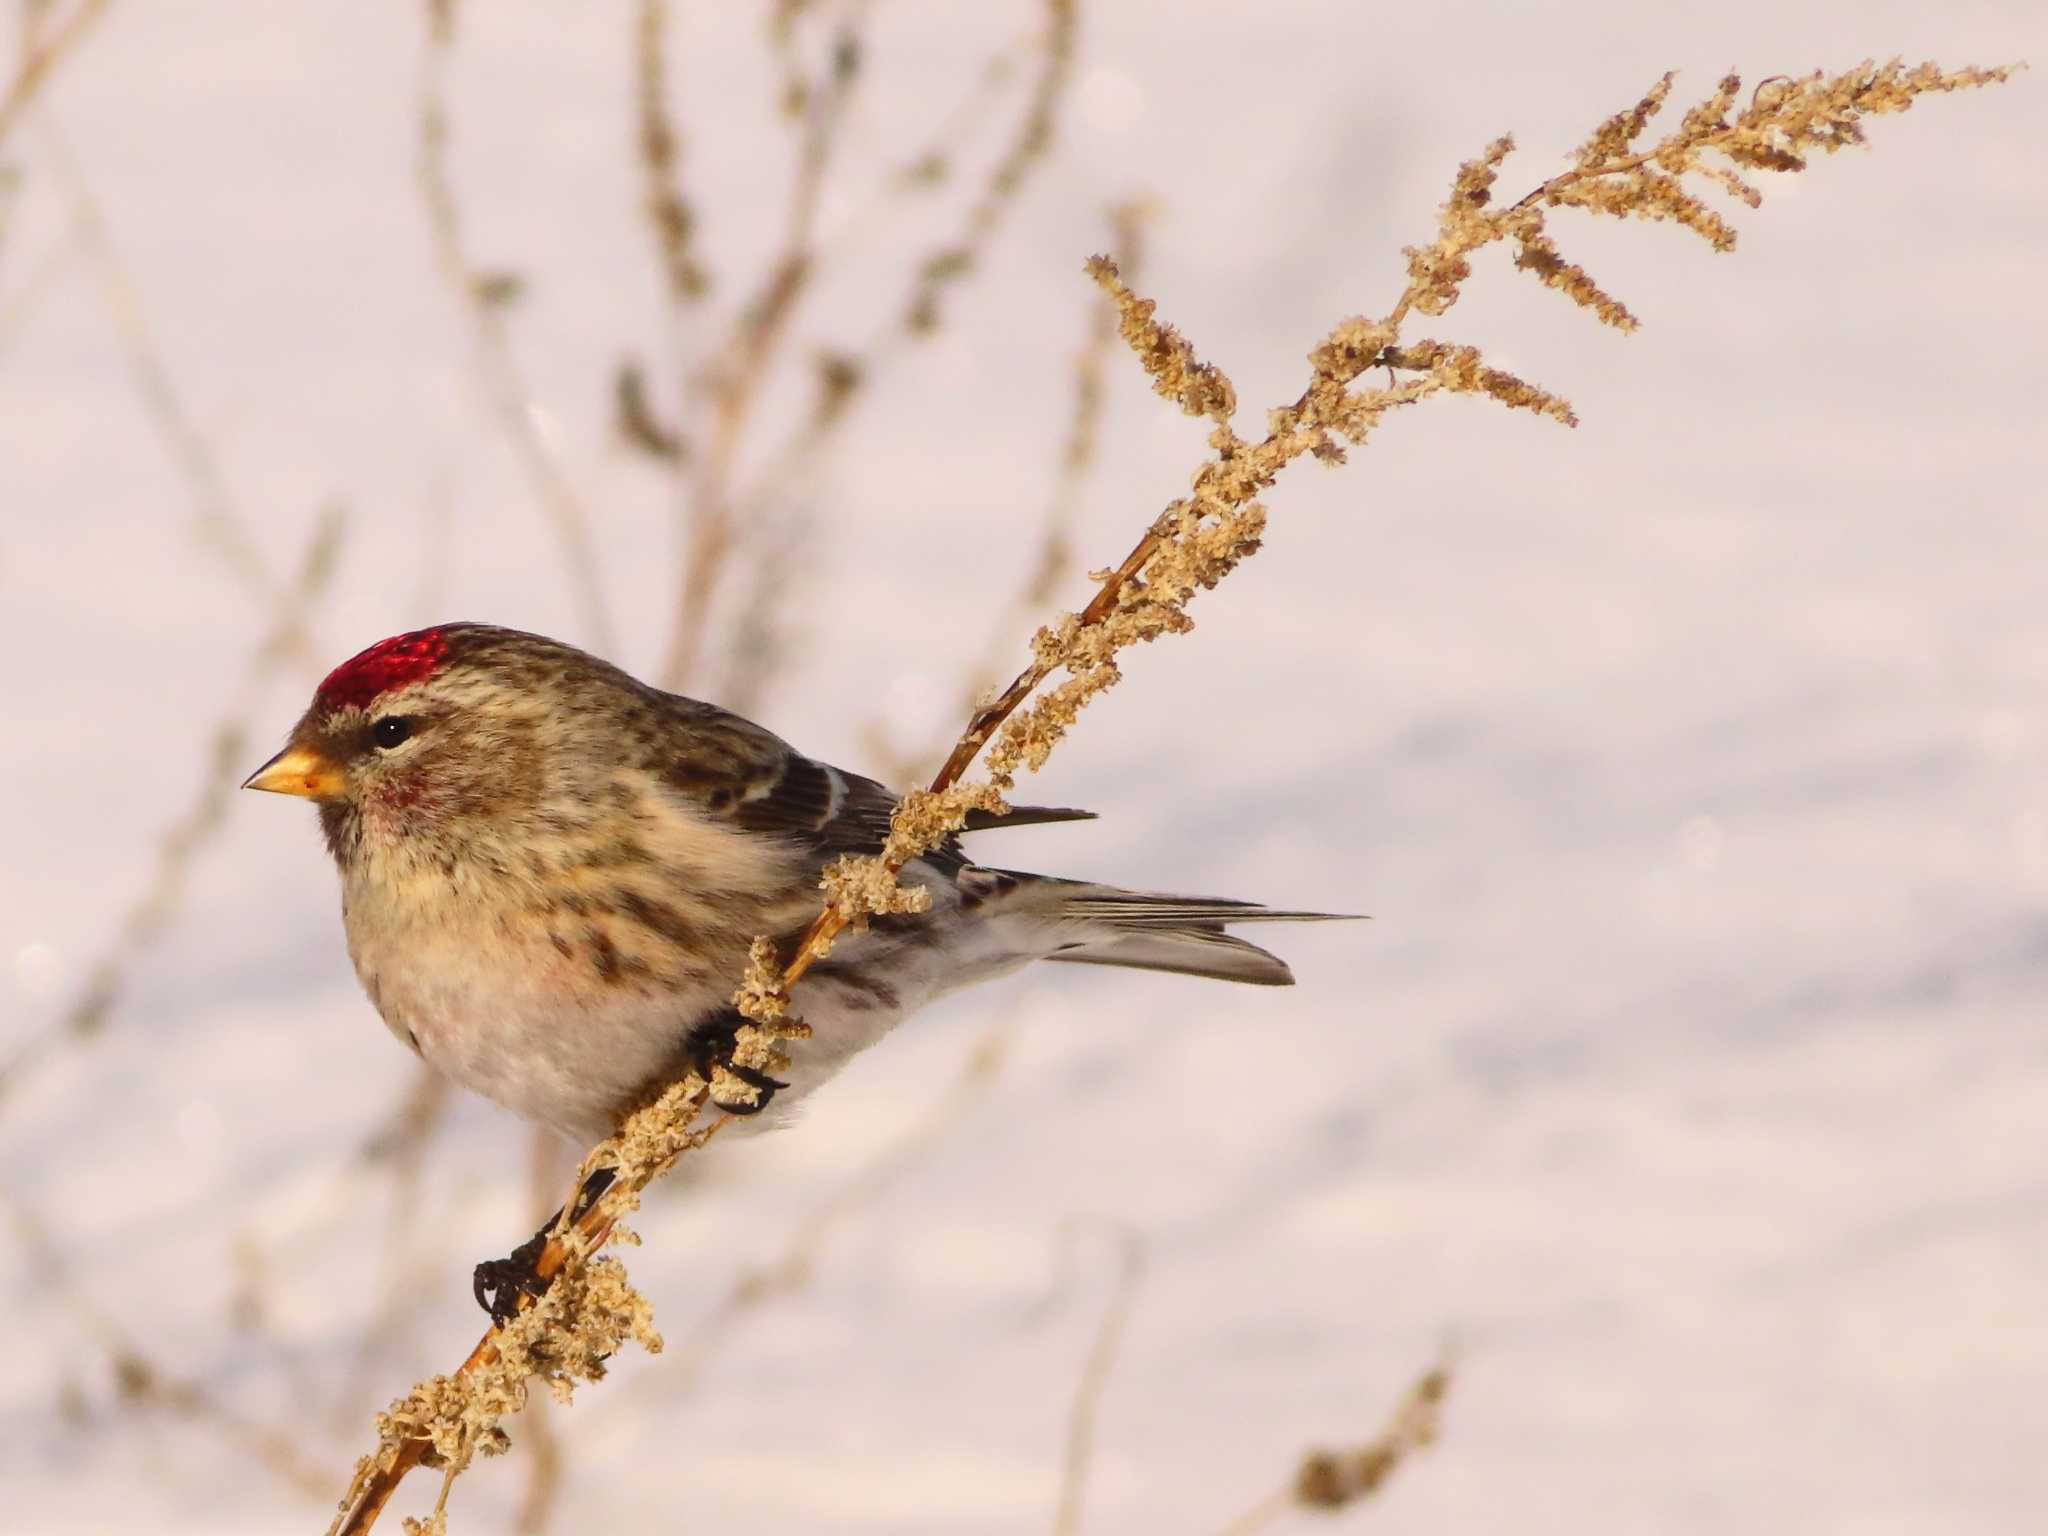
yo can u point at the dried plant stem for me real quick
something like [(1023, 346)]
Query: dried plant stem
[(1054, 555), (1330, 1480), (589, 1311), (716, 508), (846, 374), (736, 376), (401, 1143), (217, 518), (40, 278), (927, 168), (669, 212), (41, 53), (948, 265), (790, 1270), (485, 296), (141, 1379), (1078, 453), (1095, 1372), (145, 917), (544, 1460)]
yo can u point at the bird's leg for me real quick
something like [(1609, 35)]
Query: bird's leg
[(499, 1283)]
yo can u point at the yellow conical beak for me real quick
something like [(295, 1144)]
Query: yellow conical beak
[(298, 771)]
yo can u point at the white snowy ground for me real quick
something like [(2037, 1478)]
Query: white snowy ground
[(1691, 1079)]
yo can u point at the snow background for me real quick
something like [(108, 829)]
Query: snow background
[(1690, 1081)]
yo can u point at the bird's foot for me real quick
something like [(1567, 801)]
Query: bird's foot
[(498, 1284), (737, 1102)]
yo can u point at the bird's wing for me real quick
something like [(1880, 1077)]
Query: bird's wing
[(729, 767)]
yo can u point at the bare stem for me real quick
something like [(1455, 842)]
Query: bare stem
[(42, 55), (486, 296)]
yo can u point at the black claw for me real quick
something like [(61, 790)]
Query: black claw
[(764, 1086), (498, 1284)]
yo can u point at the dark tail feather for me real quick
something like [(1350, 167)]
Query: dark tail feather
[(1181, 934), (1191, 952), (1023, 816)]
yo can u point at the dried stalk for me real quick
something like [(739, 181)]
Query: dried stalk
[(401, 1144), (589, 1311), (736, 377), (40, 57), (145, 917), (1055, 552), (140, 1379), (843, 375), (486, 295), (1332, 1480), (544, 1458), (38, 281), (670, 213), (217, 517), (947, 266), (1101, 1361), (791, 1269)]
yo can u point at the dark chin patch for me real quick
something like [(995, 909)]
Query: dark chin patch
[(341, 827)]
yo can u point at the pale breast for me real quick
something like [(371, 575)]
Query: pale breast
[(557, 1000)]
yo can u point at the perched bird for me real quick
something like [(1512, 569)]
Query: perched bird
[(551, 873)]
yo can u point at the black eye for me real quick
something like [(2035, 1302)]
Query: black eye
[(391, 730)]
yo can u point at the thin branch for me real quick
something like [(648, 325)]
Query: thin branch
[(41, 57), (152, 910), (39, 280), (222, 526), (400, 1144), (1332, 1480), (140, 1379), (670, 213), (486, 296), (1054, 556), (589, 1311), (793, 1268), (848, 373), (735, 378), (1095, 1372), (947, 266)]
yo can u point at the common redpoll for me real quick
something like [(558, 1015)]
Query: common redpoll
[(551, 874)]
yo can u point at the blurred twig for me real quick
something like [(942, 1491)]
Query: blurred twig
[(140, 1379), (736, 374), (793, 1267), (670, 212), (898, 763), (43, 49), (219, 520), (227, 761), (950, 263), (772, 505), (1095, 1376), (1329, 1480), (400, 1144), (546, 1171), (486, 295), (39, 279), (933, 164), (851, 372)]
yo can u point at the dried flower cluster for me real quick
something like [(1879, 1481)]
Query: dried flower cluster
[(1332, 1479), (1190, 546)]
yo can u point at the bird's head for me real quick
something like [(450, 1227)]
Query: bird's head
[(432, 739)]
